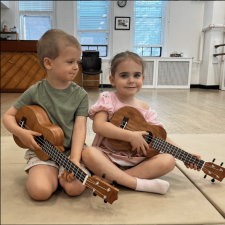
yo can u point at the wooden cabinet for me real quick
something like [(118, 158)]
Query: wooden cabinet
[(20, 67)]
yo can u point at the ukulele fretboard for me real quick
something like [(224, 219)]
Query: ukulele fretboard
[(177, 153), (61, 159)]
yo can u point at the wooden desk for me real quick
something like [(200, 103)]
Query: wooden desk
[(20, 67)]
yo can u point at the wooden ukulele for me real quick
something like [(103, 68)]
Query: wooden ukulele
[(35, 118), (130, 118)]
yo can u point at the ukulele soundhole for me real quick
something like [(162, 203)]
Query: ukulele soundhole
[(148, 138)]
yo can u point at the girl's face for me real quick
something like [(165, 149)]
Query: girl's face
[(128, 78)]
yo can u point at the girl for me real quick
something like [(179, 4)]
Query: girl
[(130, 168)]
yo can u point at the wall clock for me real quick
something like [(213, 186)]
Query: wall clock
[(121, 3)]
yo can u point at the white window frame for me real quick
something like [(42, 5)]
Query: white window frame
[(109, 33), (20, 17), (164, 38)]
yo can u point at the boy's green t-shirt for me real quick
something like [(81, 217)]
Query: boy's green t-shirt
[(62, 106)]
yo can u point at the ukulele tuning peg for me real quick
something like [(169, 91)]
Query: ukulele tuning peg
[(214, 160), (103, 176), (205, 176), (221, 164), (114, 182), (94, 194), (105, 201), (213, 180)]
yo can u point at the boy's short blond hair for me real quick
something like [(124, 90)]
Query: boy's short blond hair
[(52, 41)]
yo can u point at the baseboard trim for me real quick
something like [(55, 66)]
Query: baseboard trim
[(215, 87)]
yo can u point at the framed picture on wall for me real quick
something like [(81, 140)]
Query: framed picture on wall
[(122, 23)]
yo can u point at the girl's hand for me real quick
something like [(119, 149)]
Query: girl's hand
[(27, 137), (69, 177), (191, 166), (138, 142)]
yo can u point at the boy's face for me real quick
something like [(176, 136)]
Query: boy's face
[(65, 67)]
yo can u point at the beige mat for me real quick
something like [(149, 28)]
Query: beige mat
[(208, 146), (183, 204)]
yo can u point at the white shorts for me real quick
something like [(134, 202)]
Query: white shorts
[(33, 160)]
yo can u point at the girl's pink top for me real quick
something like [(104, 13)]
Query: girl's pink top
[(109, 103)]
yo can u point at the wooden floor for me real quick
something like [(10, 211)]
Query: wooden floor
[(194, 111)]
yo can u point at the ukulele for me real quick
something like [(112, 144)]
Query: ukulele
[(129, 118), (35, 118)]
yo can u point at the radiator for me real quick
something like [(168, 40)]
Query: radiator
[(167, 73), (149, 74)]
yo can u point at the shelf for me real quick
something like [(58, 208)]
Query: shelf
[(17, 34)]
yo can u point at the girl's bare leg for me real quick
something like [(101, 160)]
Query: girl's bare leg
[(42, 181), (154, 167), (100, 164)]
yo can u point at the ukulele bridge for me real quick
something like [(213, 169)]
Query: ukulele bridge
[(23, 122), (124, 122)]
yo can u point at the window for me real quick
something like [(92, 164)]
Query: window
[(149, 26), (35, 18), (93, 25)]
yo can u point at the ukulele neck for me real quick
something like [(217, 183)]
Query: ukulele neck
[(177, 153), (61, 159)]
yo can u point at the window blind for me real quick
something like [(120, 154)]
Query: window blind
[(40, 6), (93, 15), (149, 22)]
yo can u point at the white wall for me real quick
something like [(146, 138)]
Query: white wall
[(185, 21), (65, 16), (214, 13), (9, 14)]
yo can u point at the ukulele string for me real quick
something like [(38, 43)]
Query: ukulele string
[(210, 173), (127, 128), (41, 140), (132, 128), (88, 185), (211, 167)]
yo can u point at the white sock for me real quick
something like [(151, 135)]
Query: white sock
[(155, 185)]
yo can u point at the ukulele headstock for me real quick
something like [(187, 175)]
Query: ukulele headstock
[(213, 170), (102, 189)]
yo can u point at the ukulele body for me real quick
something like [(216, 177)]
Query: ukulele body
[(136, 122), (37, 120)]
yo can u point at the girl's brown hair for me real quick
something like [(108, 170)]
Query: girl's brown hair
[(51, 42), (124, 56)]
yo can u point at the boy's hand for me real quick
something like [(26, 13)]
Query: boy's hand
[(27, 137), (138, 142), (191, 166), (69, 177)]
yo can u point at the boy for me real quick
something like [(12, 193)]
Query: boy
[(66, 105)]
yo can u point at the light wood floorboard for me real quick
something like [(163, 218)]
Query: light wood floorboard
[(194, 111)]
